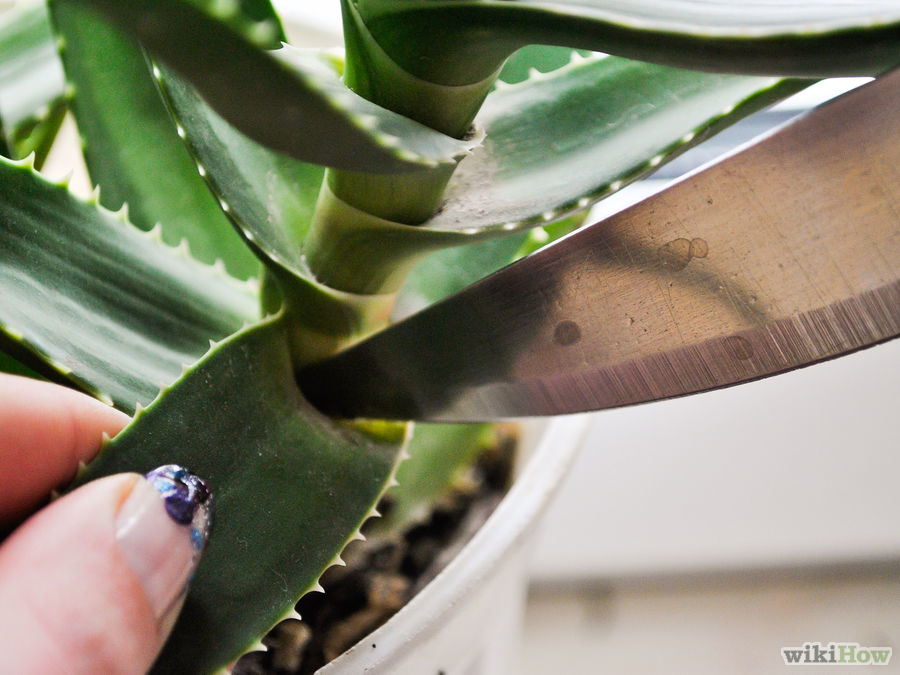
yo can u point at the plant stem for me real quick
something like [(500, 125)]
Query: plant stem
[(322, 320), (373, 74), (363, 240), (355, 251)]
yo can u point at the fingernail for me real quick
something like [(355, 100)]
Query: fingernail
[(162, 528)]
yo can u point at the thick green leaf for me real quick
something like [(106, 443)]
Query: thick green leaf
[(283, 99), (438, 454), (107, 306), (463, 41), (32, 101), (269, 196), (558, 142), (450, 270), (445, 272), (272, 198), (132, 149), (291, 489)]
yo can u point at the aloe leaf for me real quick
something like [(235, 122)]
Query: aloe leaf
[(462, 41), (103, 304), (270, 197), (131, 146), (32, 100), (558, 142), (282, 99), (438, 455), (445, 272), (291, 489)]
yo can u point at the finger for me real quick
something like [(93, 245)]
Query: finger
[(92, 583), (45, 431)]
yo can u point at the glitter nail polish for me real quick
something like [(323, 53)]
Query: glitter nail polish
[(187, 498)]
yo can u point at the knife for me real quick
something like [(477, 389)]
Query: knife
[(784, 253)]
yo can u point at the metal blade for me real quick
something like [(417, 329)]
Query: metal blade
[(784, 254)]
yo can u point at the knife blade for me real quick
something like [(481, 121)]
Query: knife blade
[(783, 254)]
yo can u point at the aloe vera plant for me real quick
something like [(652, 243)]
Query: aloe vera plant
[(283, 203)]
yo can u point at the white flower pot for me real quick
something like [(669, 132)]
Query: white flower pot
[(467, 620)]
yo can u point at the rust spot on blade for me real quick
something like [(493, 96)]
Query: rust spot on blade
[(566, 333)]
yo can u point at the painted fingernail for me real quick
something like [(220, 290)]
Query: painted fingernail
[(162, 528)]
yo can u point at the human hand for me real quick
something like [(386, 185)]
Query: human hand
[(91, 583)]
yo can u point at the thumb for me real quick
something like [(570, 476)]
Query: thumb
[(93, 582)]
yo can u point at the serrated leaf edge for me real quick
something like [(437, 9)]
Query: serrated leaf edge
[(182, 250), (357, 535), (640, 170)]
